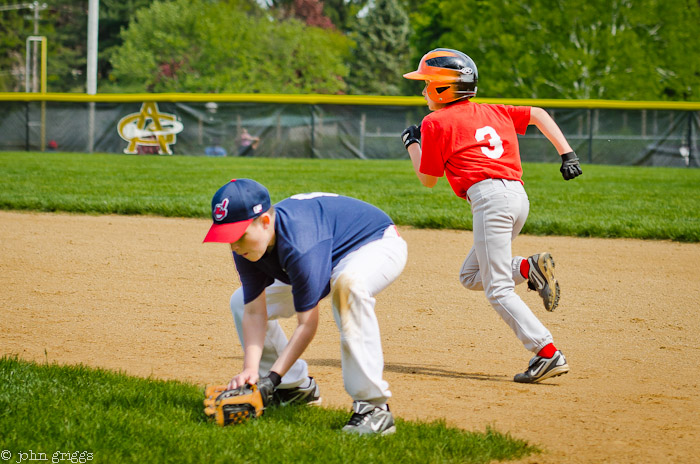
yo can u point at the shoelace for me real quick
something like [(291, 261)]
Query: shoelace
[(356, 419)]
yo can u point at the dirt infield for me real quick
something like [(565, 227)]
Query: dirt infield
[(145, 296)]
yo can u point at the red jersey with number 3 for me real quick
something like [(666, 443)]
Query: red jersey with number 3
[(470, 142)]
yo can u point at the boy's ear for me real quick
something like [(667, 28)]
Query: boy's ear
[(265, 218)]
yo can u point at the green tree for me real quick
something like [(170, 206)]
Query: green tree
[(67, 39), (382, 49), (13, 32), (64, 23), (610, 49), (114, 17), (425, 18), (202, 46), (344, 13)]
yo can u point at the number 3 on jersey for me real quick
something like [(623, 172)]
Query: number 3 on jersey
[(496, 150)]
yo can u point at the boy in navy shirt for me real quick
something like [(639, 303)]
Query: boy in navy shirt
[(290, 256)]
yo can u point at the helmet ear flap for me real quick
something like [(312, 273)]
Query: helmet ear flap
[(440, 92), (450, 75)]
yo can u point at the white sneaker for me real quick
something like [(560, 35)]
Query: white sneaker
[(541, 368), (370, 419)]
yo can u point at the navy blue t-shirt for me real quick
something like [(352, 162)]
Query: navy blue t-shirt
[(313, 233)]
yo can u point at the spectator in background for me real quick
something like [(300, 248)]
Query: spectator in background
[(247, 143), (215, 149), (53, 145)]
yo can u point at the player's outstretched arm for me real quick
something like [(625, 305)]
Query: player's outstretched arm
[(549, 129), (570, 166), (254, 329), (300, 339)]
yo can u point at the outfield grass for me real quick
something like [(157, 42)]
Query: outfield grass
[(607, 201), (45, 408)]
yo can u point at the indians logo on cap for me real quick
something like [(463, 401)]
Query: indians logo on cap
[(220, 211)]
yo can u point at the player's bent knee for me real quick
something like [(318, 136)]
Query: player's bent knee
[(470, 282), (347, 293), (341, 293)]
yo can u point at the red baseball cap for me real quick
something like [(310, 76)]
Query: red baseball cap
[(233, 207)]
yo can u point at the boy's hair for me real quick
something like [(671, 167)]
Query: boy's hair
[(450, 74)]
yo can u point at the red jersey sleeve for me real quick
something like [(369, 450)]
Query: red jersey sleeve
[(431, 162), (520, 116)]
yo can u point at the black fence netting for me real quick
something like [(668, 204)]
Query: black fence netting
[(650, 137)]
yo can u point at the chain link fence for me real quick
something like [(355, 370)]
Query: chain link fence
[(617, 133)]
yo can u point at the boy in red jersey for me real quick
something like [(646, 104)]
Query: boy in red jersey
[(476, 147)]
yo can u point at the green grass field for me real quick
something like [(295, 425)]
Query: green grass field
[(113, 418), (607, 201)]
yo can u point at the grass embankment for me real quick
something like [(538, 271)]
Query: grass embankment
[(108, 417)]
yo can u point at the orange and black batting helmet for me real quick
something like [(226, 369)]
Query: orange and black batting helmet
[(450, 75)]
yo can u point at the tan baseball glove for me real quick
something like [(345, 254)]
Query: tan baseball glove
[(237, 405)]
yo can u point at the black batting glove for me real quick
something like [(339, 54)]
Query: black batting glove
[(410, 136), (266, 385), (570, 167)]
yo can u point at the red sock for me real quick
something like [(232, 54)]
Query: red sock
[(548, 351), (525, 268)]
